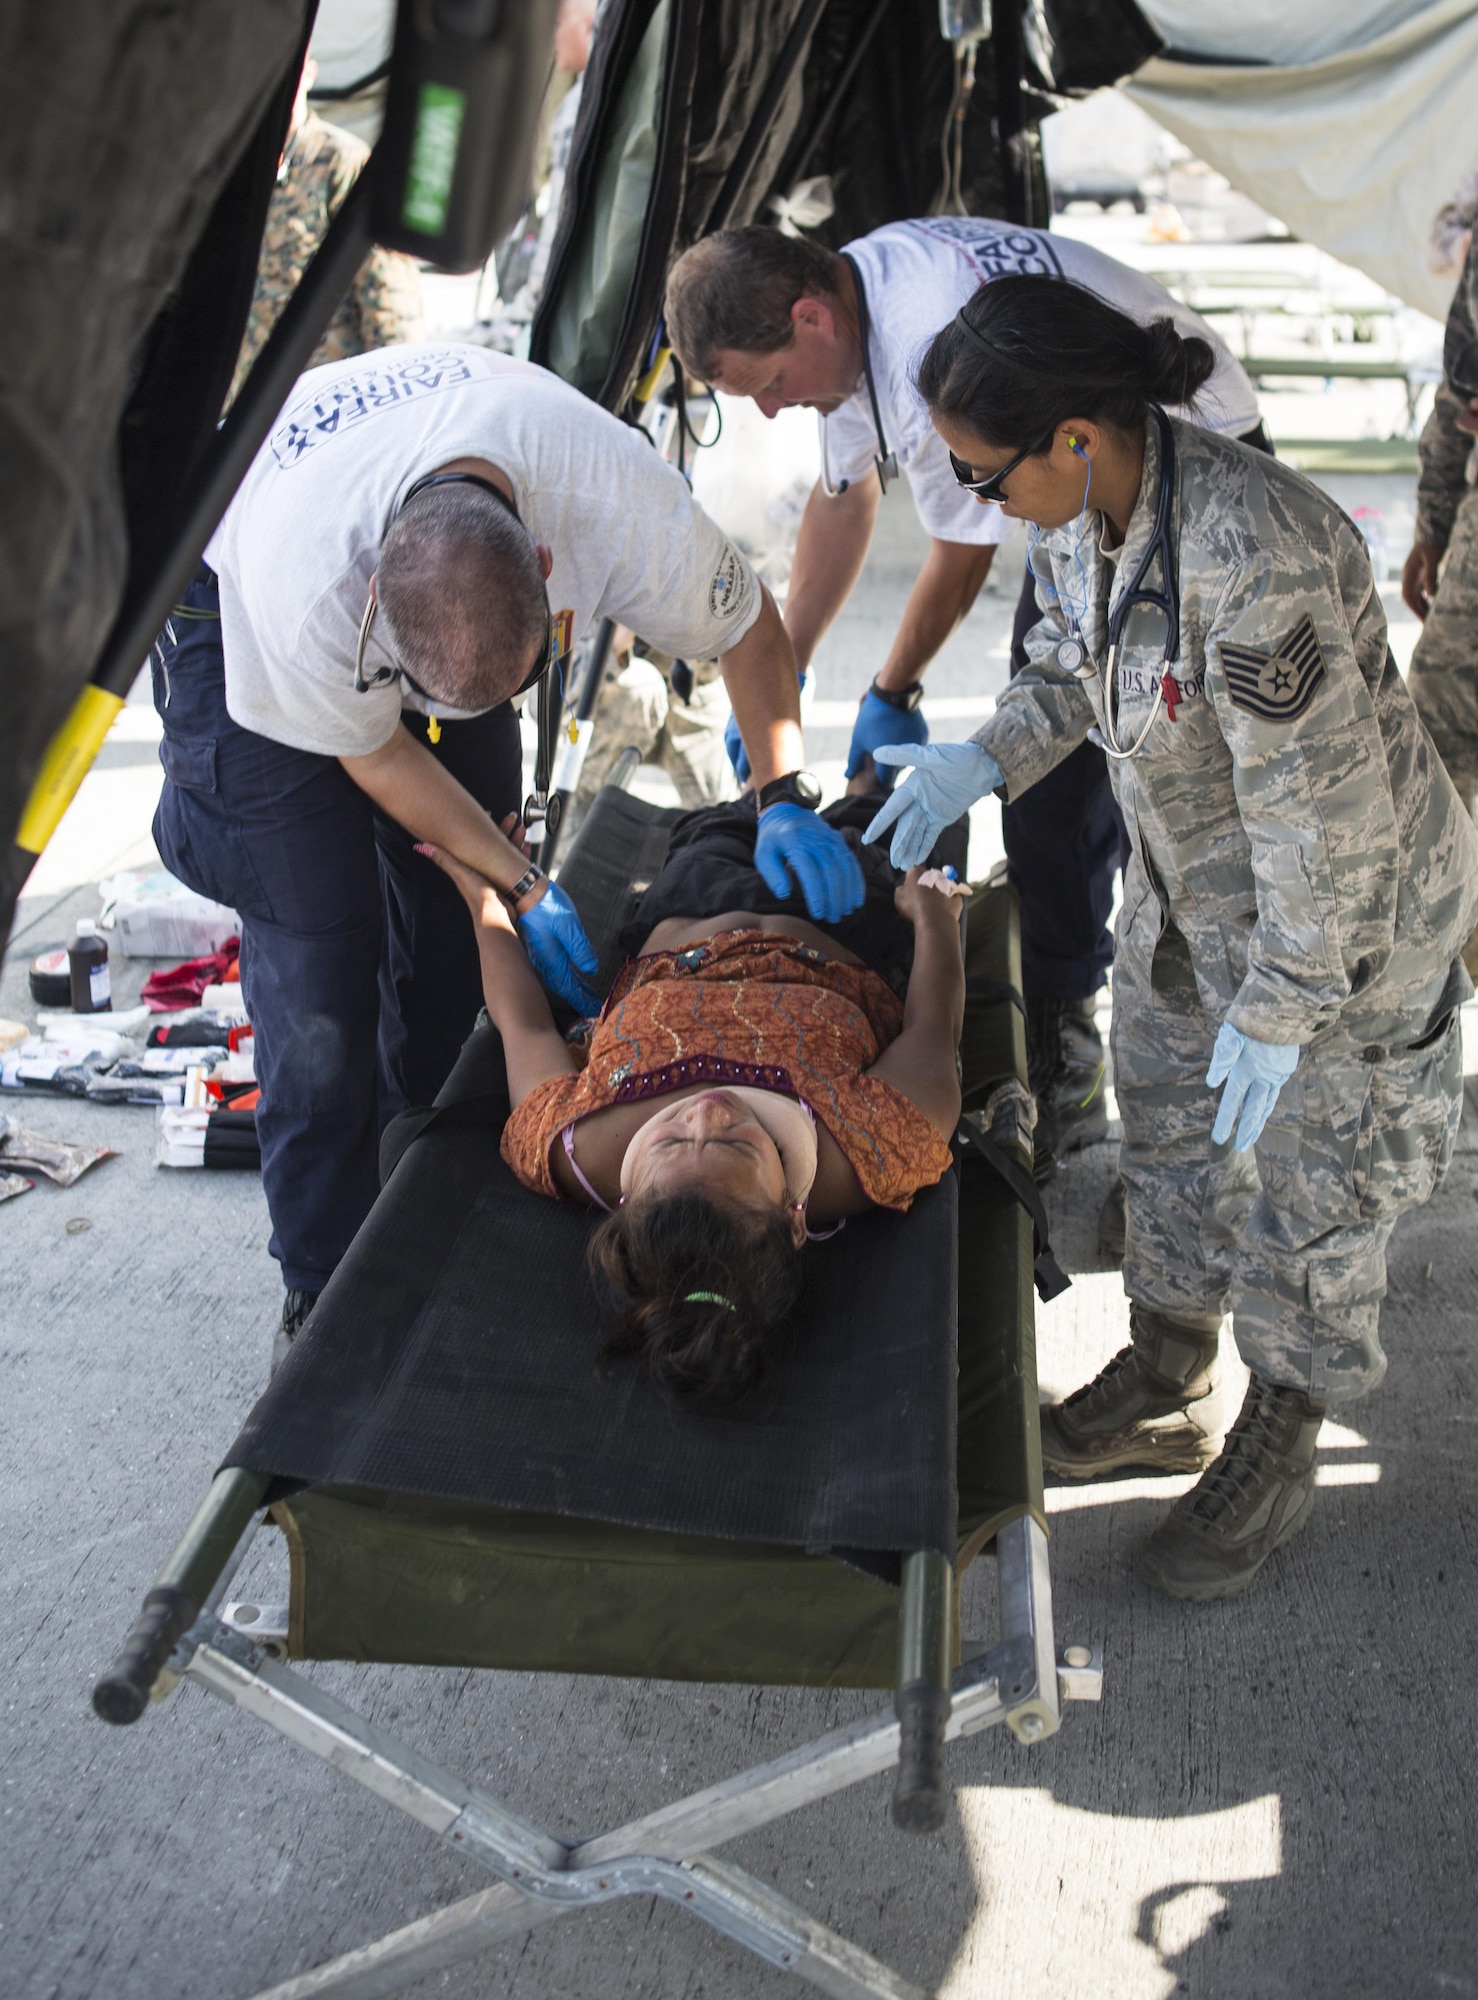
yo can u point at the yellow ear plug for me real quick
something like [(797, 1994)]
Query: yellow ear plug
[(572, 729), (433, 729)]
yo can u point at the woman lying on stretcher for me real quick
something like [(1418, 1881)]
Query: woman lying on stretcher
[(752, 1080)]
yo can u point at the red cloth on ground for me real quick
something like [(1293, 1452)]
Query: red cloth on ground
[(182, 985)]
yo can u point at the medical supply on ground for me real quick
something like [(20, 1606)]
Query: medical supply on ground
[(90, 980), (946, 780), (33, 1153), (14, 1184), (156, 916), (51, 979), (224, 1137), (12, 1034), (181, 986), (194, 1031), (225, 1002), (90, 1028)]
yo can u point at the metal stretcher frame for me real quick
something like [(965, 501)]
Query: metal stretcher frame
[(234, 1652), (1019, 1680)]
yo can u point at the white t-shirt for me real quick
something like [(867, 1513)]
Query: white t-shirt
[(302, 537), (917, 275)]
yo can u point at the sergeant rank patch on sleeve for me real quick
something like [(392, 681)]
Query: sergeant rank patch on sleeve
[(1277, 686)]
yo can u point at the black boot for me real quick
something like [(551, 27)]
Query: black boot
[(1153, 1408), (296, 1307), (1256, 1497), (1065, 1068)]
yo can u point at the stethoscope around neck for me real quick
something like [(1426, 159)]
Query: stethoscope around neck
[(1138, 596), (886, 461)]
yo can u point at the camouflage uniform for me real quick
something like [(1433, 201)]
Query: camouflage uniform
[(1302, 867), (1444, 667), (381, 307), (637, 705)]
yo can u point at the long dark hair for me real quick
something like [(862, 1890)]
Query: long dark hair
[(1033, 351), (651, 1257)]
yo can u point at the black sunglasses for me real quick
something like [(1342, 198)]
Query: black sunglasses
[(990, 489)]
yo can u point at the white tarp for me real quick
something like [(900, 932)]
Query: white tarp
[(1355, 143)]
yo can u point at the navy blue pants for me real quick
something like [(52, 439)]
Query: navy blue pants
[(358, 963), (1065, 841)]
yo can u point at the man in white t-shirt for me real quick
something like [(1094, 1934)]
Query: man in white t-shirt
[(423, 530), (785, 322)]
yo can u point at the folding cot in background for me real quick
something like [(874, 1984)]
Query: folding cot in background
[(459, 1486)]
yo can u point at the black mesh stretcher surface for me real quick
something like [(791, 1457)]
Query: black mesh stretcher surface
[(474, 1490), (454, 1356)]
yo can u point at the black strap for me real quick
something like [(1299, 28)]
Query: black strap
[(995, 989), (886, 461), (487, 1109), (462, 479), (1050, 1278)]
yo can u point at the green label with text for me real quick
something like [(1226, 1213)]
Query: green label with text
[(433, 158)]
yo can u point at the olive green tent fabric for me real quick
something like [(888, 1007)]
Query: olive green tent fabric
[(386, 1577)]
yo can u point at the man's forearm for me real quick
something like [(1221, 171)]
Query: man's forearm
[(407, 782), (760, 675), (830, 549), (943, 593)]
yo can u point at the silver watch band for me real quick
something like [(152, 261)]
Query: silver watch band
[(526, 882)]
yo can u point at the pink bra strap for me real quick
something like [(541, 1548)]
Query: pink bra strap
[(567, 1139)]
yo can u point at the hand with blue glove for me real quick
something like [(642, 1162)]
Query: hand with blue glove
[(797, 850), (559, 950), (946, 780), (734, 742), (1254, 1073), (878, 723)]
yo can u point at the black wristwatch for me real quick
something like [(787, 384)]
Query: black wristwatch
[(796, 788), (907, 698)]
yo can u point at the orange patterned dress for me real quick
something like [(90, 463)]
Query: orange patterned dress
[(751, 1008)]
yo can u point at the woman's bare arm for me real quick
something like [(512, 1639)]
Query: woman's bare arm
[(533, 1048), (922, 1062)]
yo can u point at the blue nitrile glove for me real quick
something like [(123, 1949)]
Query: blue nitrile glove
[(734, 742), (946, 780), (878, 722), (559, 950), (1254, 1073), (796, 850)]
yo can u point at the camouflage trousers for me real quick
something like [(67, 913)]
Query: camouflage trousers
[(638, 706), (1291, 1235), (1444, 666)]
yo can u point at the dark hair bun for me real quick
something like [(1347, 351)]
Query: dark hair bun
[(1175, 366), (695, 1292), (1027, 352)]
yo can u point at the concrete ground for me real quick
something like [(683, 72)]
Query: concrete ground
[(1275, 1798)]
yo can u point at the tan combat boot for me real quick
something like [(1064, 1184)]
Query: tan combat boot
[(1155, 1406), (1256, 1497)]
